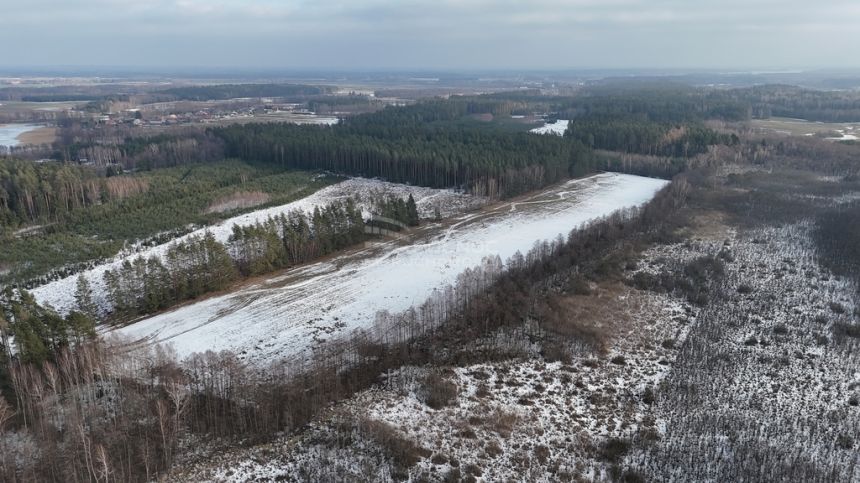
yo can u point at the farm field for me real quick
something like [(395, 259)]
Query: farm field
[(838, 131), (287, 314)]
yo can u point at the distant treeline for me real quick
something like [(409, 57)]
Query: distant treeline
[(797, 102), (233, 91), (668, 102), (61, 98)]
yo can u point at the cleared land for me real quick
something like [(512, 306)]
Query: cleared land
[(802, 127), (292, 312)]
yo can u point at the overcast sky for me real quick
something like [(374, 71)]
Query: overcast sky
[(432, 34)]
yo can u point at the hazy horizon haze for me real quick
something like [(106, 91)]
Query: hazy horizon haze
[(424, 35)]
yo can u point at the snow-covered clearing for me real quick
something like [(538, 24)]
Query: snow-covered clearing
[(558, 128), (60, 293), (293, 311)]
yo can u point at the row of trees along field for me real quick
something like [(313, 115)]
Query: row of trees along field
[(296, 238), (397, 209), (201, 264), (189, 269), (428, 144)]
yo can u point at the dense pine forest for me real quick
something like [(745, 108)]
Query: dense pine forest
[(443, 143), (429, 144), (58, 215)]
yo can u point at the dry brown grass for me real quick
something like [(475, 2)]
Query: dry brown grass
[(439, 392), (43, 135), (403, 452), (594, 318), (711, 226), (239, 200), (125, 186)]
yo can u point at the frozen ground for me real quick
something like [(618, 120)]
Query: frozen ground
[(558, 128), (299, 308), (754, 384), (538, 420), (60, 293), (762, 389)]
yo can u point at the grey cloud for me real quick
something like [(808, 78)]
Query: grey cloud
[(432, 34)]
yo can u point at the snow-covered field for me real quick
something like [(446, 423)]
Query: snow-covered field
[(558, 128), (9, 133), (60, 293), (292, 312)]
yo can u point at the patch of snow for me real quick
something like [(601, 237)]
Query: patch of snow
[(844, 137), (558, 128)]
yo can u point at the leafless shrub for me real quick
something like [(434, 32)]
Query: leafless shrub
[(613, 450), (836, 307), (502, 422), (844, 329), (6, 413), (439, 392), (403, 452)]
